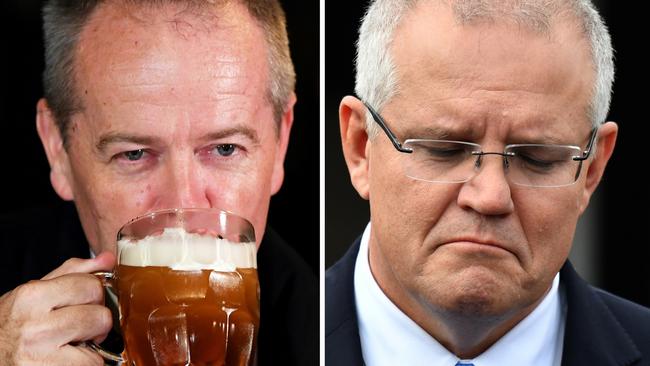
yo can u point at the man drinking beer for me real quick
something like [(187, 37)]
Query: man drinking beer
[(152, 105)]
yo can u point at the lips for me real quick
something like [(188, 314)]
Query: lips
[(477, 242)]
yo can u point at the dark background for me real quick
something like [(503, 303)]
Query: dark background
[(617, 248), (25, 181)]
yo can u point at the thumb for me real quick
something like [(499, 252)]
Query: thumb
[(103, 262)]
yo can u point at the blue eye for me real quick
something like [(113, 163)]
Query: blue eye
[(225, 149), (134, 155)]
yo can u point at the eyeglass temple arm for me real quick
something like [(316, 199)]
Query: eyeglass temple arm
[(586, 153), (391, 136)]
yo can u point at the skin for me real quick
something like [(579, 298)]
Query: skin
[(468, 261), (175, 114)]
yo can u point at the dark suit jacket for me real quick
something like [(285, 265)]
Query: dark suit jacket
[(601, 329), (35, 242)]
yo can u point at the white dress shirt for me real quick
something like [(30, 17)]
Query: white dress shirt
[(390, 337)]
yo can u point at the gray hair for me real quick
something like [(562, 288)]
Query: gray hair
[(376, 80), (64, 20)]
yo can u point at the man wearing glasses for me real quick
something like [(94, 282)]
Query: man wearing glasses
[(478, 137)]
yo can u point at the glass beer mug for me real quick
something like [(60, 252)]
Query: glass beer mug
[(187, 288)]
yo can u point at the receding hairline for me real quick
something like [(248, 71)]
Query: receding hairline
[(560, 24), (194, 9), (185, 26), (66, 20), (377, 79)]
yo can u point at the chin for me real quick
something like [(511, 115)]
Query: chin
[(474, 292), (474, 304)]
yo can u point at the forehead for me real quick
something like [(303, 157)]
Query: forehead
[(491, 70), (135, 48)]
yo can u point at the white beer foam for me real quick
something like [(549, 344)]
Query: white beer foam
[(183, 251)]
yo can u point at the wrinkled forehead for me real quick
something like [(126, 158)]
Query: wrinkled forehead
[(437, 57), (534, 14), (149, 11), (128, 44), (183, 19)]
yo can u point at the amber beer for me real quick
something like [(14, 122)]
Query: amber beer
[(187, 299)]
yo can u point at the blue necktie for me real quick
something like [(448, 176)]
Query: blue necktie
[(464, 364)]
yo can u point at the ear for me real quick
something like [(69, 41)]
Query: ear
[(57, 156), (604, 148), (352, 119), (283, 142)]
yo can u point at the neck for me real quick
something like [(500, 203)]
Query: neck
[(466, 334), (466, 331)]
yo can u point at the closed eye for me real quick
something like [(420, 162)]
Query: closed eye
[(538, 163), (445, 153)]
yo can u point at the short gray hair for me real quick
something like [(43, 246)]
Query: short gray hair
[(376, 80), (64, 20)]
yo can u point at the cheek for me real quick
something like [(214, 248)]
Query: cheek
[(549, 220), (106, 201), (104, 207), (404, 211), (247, 195)]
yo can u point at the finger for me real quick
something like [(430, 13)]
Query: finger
[(103, 262), (71, 289), (73, 324), (69, 355)]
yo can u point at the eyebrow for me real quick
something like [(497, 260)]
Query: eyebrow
[(117, 137), (246, 131), (542, 139), (434, 132)]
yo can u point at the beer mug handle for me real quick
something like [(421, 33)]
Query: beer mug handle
[(107, 281)]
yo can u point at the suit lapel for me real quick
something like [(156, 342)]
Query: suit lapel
[(592, 335), (342, 343)]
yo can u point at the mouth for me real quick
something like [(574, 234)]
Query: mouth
[(475, 244)]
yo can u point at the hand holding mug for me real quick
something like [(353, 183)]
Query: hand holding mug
[(187, 287), (47, 321)]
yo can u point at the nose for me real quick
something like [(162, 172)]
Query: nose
[(488, 192), (184, 185)]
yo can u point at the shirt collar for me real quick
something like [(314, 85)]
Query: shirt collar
[(390, 337)]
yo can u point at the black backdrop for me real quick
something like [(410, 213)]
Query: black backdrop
[(622, 242), (620, 237), (25, 181)]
